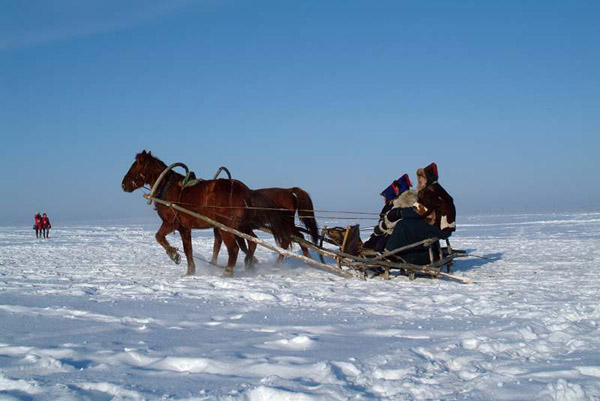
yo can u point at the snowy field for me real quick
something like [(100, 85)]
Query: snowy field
[(101, 313)]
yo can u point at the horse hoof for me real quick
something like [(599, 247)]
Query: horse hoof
[(249, 263), (255, 261), (228, 274), (189, 273), (175, 257)]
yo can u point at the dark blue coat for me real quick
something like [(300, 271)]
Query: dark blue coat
[(412, 228)]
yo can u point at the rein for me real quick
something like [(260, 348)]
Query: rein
[(276, 209), (156, 185)]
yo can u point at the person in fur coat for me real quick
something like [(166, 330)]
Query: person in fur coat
[(435, 205), (432, 214)]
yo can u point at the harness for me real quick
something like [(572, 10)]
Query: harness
[(159, 188)]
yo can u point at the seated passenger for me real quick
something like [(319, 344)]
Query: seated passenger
[(435, 204), (397, 195), (432, 215)]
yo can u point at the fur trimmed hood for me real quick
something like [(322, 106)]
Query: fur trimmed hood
[(387, 223), (406, 199), (430, 173)]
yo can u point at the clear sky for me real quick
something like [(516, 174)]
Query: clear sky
[(337, 97)]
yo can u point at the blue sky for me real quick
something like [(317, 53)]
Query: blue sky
[(337, 97)]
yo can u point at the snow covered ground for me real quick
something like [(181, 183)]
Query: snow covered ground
[(101, 313)]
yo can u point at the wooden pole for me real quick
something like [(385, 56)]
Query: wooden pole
[(425, 242), (382, 263), (160, 178), (308, 261)]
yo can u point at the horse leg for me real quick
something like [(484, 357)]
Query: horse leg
[(284, 245), (161, 238), (250, 260), (242, 243), (290, 218), (233, 250), (304, 249), (186, 238), (216, 246), (281, 257), (252, 247)]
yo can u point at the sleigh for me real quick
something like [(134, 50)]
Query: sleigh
[(426, 257)]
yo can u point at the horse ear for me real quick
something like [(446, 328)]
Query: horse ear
[(144, 151), (149, 153)]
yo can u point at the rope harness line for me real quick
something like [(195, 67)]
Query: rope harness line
[(189, 174), (276, 209), (197, 257), (285, 210)]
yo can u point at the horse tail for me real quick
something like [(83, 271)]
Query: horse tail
[(267, 213), (306, 212)]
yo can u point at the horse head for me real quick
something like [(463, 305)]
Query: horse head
[(139, 173)]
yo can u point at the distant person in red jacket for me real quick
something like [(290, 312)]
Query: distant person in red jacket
[(37, 224), (46, 226)]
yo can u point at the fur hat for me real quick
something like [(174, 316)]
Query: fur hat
[(397, 187), (430, 173)]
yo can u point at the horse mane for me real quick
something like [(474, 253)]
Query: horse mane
[(153, 164), (150, 158)]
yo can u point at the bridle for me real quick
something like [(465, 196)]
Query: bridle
[(140, 176)]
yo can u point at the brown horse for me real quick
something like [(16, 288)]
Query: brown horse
[(292, 200), (225, 201)]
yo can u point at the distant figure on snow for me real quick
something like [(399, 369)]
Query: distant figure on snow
[(46, 226), (37, 224)]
